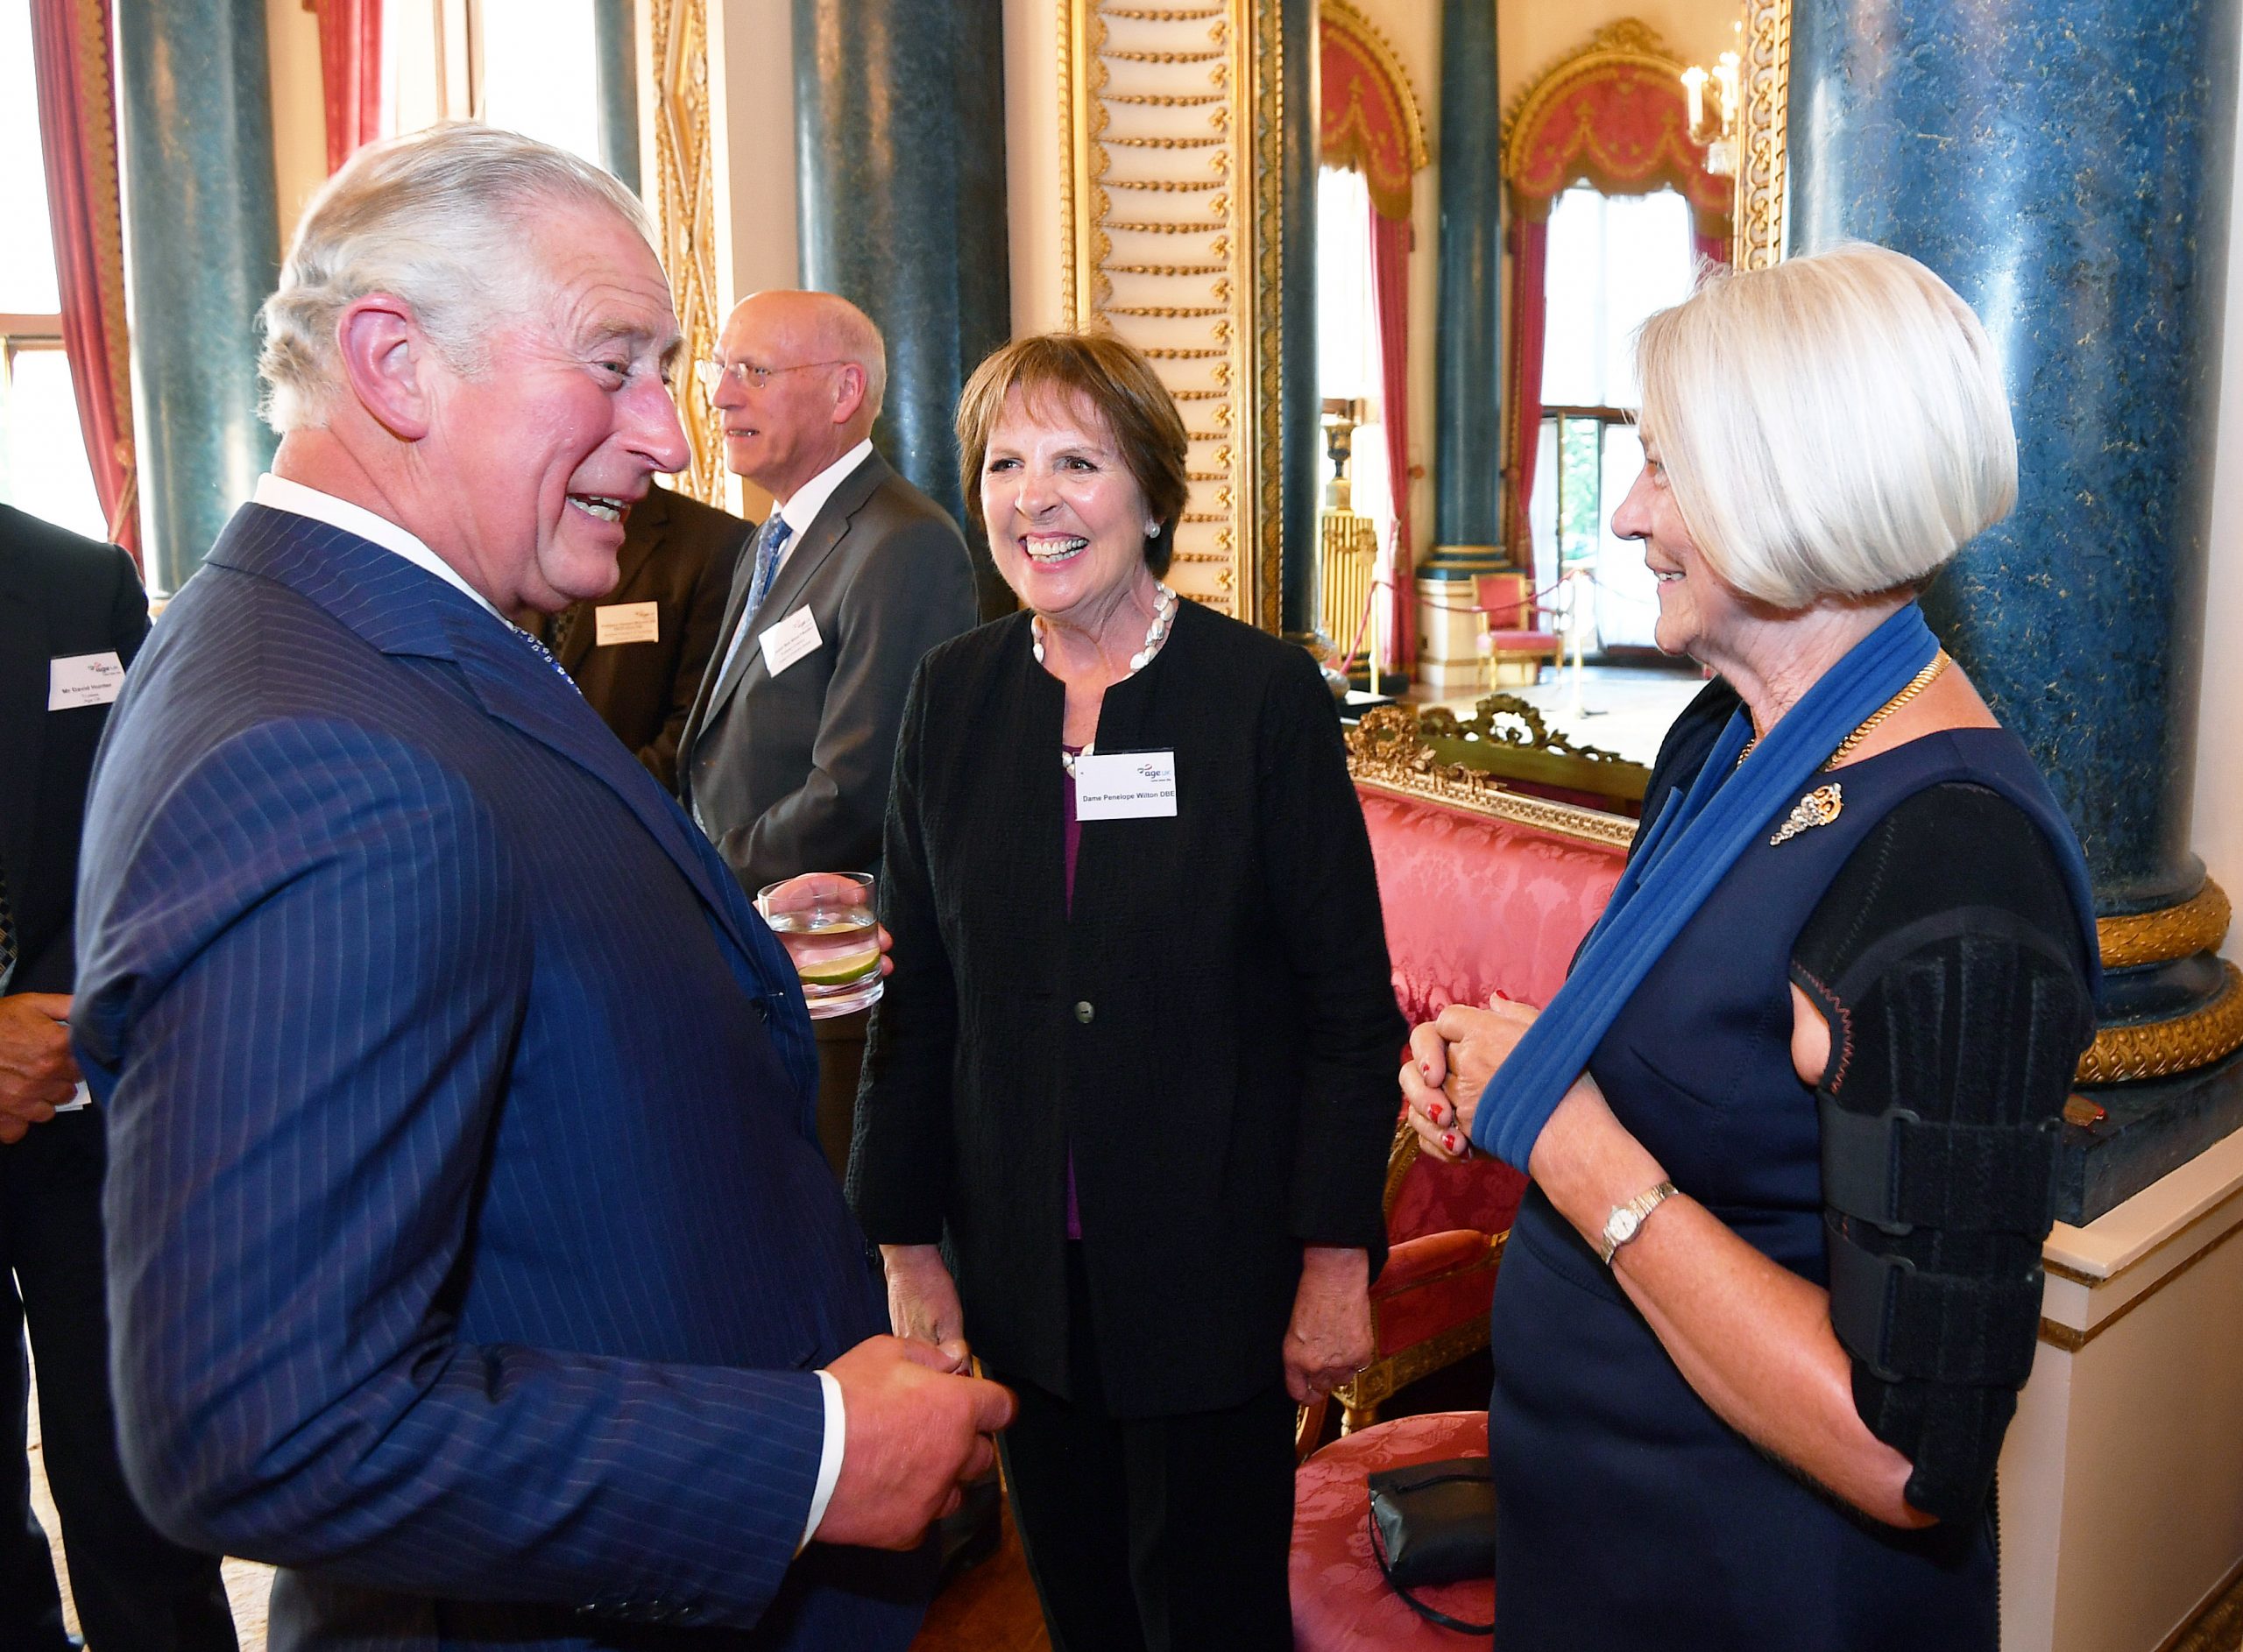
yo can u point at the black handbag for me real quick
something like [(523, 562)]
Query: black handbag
[(1435, 1522)]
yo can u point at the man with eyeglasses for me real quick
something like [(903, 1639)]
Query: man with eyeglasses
[(854, 574)]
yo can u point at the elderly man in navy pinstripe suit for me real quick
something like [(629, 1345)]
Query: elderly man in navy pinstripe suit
[(471, 1254)]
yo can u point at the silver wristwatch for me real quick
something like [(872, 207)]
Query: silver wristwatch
[(1627, 1220)]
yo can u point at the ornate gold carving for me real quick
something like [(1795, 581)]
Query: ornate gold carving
[(684, 209), (2152, 1049), (2199, 924), (1386, 751), (1501, 719), (1181, 97), (1758, 221)]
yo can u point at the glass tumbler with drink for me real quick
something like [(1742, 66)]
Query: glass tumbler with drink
[(827, 923)]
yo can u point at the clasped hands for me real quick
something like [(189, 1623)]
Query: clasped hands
[(1452, 1058), (37, 1072)]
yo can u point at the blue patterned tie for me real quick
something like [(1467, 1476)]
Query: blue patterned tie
[(770, 539), (768, 544)]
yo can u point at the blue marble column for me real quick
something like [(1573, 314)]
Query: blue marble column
[(899, 146), (202, 246), (2065, 164), (619, 88), (1300, 444), (1467, 407)]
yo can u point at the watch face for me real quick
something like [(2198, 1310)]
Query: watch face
[(1620, 1226)]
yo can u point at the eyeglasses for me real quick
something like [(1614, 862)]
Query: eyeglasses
[(711, 375)]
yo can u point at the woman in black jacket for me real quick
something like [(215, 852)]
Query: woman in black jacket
[(1132, 1079)]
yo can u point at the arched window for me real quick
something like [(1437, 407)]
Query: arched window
[(1613, 261), (1611, 208)]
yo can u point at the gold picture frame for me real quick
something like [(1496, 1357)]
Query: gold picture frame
[(1764, 95), (1173, 203)]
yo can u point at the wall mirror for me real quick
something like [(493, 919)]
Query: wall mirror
[(1637, 137)]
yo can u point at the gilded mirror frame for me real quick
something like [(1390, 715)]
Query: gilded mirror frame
[(1170, 120), (1764, 94)]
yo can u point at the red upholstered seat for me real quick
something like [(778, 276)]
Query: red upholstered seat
[(1514, 632), (1473, 903), (1340, 1601)]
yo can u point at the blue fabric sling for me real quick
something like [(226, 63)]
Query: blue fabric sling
[(1686, 851)]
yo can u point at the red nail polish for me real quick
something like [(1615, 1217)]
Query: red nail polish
[(1448, 1142)]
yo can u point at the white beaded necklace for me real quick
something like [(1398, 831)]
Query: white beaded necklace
[(1156, 635)]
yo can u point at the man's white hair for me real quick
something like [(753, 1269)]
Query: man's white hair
[(440, 219), (1834, 425)]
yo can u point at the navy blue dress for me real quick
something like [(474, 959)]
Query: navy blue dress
[(1630, 1513)]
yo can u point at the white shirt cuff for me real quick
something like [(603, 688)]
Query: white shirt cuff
[(829, 1458)]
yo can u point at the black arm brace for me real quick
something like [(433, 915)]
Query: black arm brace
[(1946, 959)]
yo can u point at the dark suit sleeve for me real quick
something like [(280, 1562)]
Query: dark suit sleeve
[(916, 590), (290, 1197), (128, 608), (1324, 887), (705, 617), (900, 1160)]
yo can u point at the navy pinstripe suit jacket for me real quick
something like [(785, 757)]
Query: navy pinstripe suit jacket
[(470, 1240)]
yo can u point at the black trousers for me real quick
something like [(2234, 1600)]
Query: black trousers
[(841, 1059), (136, 1591), (1153, 1535)]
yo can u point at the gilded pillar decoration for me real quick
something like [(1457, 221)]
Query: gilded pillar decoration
[(1172, 193), (1977, 140), (1758, 228), (683, 205)]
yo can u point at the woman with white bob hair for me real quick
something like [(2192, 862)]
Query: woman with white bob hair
[(1791, 1120)]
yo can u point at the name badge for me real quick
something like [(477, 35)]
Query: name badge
[(789, 640), (81, 680), (627, 622), (1125, 786)]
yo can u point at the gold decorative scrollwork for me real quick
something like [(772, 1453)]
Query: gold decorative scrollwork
[(2157, 1049), (2199, 924), (1386, 751), (685, 208), (1174, 110), (1504, 719), (1759, 231)]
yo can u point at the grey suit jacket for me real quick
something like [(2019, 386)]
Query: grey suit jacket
[(790, 774)]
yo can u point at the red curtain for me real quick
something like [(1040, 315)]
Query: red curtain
[(1530, 249), (77, 127), (350, 70), (1390, 268), (1711, 248)]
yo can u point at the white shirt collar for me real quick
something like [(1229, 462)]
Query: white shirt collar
[(278, 493), (809, 499)]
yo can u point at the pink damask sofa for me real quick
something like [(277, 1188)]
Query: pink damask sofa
[(1484, 890)]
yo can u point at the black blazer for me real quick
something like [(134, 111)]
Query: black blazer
[(678, 554), (60, 595), (1212, 1028)]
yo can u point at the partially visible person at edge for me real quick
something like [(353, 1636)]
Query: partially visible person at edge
[(1772, 1294), (1132, 1071), (471, 1256)]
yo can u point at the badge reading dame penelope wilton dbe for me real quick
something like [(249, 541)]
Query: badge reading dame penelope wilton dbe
[(1125, 785)]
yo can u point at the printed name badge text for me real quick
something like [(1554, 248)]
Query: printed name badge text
[(81, 680), (789, 640), (1125, 786), (627, 622)]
